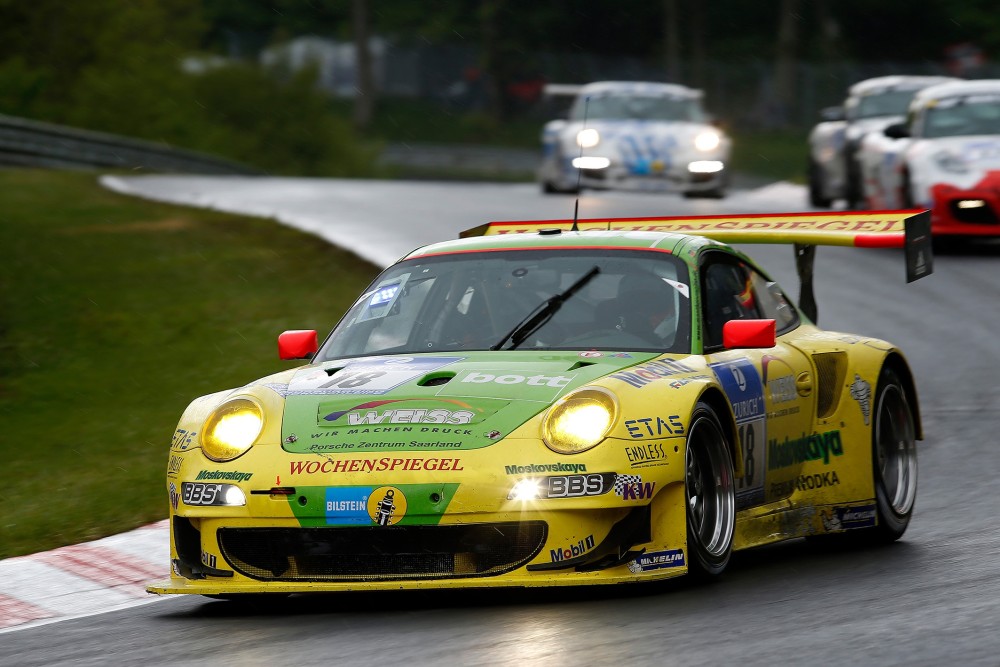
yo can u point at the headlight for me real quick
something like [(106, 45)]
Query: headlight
[(707, 141), (951, 162), (231, 429), (588, 138), (580, 420)]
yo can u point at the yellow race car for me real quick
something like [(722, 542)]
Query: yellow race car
[(553, 403)]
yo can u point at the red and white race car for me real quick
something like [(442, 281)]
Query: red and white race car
[(871, 105), (944, 157)]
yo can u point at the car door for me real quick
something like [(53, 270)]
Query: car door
[(771, 390)]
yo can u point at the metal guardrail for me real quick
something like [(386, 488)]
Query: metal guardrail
[(36, 144)]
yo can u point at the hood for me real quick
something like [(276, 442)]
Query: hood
[(430, 402)]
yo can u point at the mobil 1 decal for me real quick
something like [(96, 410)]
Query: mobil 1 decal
[(745, 390)]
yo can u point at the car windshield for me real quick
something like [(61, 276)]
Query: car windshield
[(638, 301), (638, 107), (961, 116), (885, 103)]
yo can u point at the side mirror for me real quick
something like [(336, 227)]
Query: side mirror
[(897, 131), (298, 344), (753, 334), (833, 113)]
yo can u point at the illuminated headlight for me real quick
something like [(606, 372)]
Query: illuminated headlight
[(951, 162), (580, 420), (591, 162), (705, 166), (210, 493), (525, 489), (971, 203), (231, 429), (707, 141), (588, 138)]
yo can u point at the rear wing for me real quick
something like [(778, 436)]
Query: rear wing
[(909, 229)]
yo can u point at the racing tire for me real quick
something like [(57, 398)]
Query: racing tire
[(816, 198), (709, 494), (894, 459)]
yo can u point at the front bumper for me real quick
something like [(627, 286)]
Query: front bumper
[(971, 211), (651, 178), (464, 533)]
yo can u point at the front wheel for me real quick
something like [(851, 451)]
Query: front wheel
[(710, 494), (894, 458)]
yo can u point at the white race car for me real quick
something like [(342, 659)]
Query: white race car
[(871, 105), (634, 136), (945, 157)]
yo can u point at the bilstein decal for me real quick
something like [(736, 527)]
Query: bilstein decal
[(386, 505)]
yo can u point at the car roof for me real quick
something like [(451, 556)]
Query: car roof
[(900, 81), (955, 88), (661, 241), (640, 88)]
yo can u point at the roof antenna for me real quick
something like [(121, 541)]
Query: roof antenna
[(579, 170)]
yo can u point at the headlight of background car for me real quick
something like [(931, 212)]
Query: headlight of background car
[(588, 138), (580, 420), (231, 429), (951, 162), (707, 141)]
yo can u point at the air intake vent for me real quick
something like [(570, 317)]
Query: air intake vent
[(830, 370), (381, 553)]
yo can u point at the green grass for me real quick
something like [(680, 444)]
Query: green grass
[(776, 154), (116, 312)]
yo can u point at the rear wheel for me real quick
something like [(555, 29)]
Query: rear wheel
[(894, 459), (710, 494)]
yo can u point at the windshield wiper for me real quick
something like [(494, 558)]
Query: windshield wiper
[(543, 313)]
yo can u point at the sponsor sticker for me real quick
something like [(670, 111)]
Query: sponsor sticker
[(631, 487), (574, 551), (846, 518), (745, 390), (373, 375), (861, 391), (366, 465), (657, 560), (815, 447), (655, 427)]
